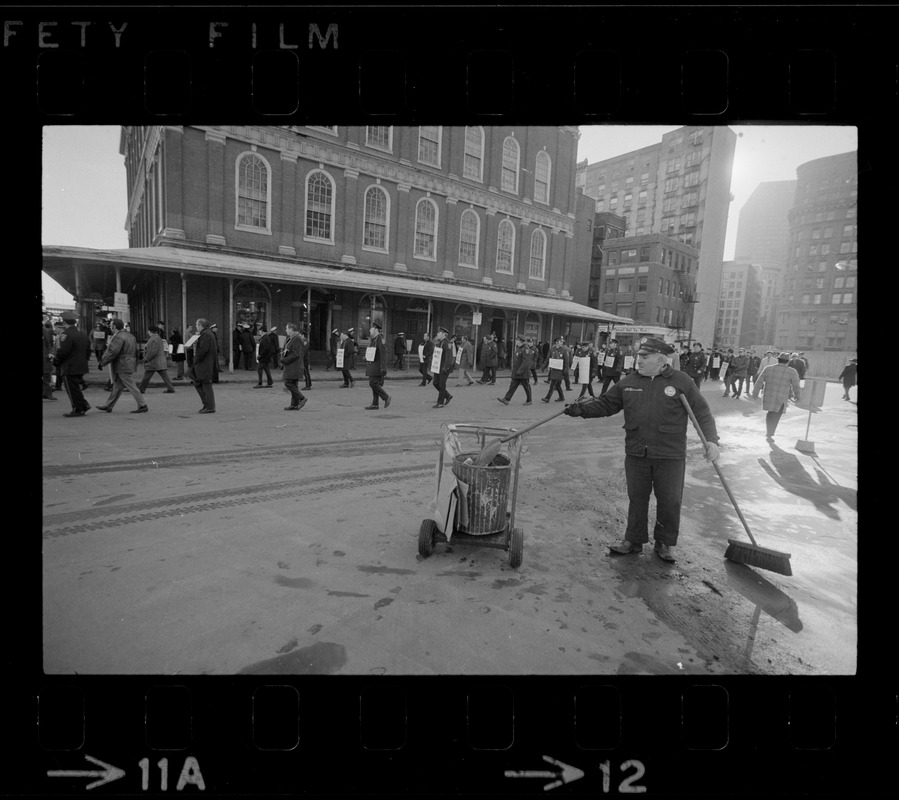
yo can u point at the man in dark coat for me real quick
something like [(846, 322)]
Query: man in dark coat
[(262, 362), (445, 366), (247, 346), (376, 367), (738, 369), (399, 350), (798, 364), (178, 358), (556, 361), (205, 361), (235, 344), (489, 360), (348, 347), (276, 347), (655, 442), (72, 356), (155, 361), (521, 371), (696, 362), (612, 364), (333, 345), (306, 375), (849, 377), (426, 353), (47, 364), (121, 355), (292, 361)]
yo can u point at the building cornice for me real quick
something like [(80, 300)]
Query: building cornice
[(338, 156)]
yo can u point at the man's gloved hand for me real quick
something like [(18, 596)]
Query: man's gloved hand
[(711, 452), (573, 410)]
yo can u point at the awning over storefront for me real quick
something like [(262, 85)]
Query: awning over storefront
[(59, 263)]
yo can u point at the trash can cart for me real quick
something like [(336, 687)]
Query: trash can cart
[(476, 505)]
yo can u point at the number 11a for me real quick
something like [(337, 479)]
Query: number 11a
[(163, 765)]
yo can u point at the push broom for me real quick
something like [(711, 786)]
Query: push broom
[(742, 553)]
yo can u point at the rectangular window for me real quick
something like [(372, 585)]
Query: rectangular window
[(817, 300), (828, 232), (594, 291), (541, 180), (378, 136), (623, 309), (806, 299), (473, 163), (610, 286), (835, 299), (600, 206), (429, 145), (627, 199), (847, 298), (671, 185), (837, 282), (816, 233), (673, 165), (613, 203), (850, 283), (628, 256), (640, 311), (692, 179), (668, 204), (625, 285), (644, 178), (848, 230), (629, 182), (845, 247), (642, 283), (851, 212), (613, 258), (644, 253), (641, 198)]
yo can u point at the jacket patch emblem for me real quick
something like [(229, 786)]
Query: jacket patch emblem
[(670, 391)]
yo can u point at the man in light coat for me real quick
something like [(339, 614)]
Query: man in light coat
[(777, 383), (292, 362), (121, 354), (466, 361), (155, 361)]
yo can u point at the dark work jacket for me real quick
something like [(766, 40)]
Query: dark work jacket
[(74, 352), (655, 420), (399, 346), (696, 364), (558, 374), (292, 358), (522, 361), (488, 354), (428, 352), (349, 353), (379, 365), (205, 356), (174, 341), (265, 349)]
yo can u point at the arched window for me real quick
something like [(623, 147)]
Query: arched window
[(473, 164), (253, 193), (505, 246), (462, 321), (469, 232), (538, 255), (371, 309), (511, 154), (320, 206), (375, 224), (542, 171), (426, 230)]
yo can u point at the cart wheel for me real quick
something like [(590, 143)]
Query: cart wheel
[(516, 548), (426, 535)]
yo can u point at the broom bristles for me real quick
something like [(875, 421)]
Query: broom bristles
[(761, 557)]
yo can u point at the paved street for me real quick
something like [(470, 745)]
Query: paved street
[(262, 541)]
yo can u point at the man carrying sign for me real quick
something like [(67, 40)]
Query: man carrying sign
[(440, 366), (611, 366), (521, 371), (655, 443), (376, 367)]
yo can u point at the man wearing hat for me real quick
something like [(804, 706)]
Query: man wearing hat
[(376, 367), (849, 376), (695, 366), (276, 347), (427, 350), (521, 371), (292, 360), (155, 361), (264, 357), (72, 355), (121, 353), (797, 363), (333, 345), (247, 345), (399, 350), (655, 443), (776, 383), (442, 345), (769, 359)]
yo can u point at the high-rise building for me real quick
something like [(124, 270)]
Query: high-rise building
[(739, 306), (763, 238), (818, 298), (681, 188)]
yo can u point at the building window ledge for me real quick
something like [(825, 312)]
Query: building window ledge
[(369, 249), (314, 240), (253, 229)]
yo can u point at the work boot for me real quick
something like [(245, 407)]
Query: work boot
[(664, 552), (626, 548)]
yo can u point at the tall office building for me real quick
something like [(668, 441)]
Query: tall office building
[(739, 303), (763, 238), (818, 307), (681, 188)]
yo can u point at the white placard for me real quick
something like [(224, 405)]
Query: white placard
[(628, 362), (192, 341), (340, 354), (436, 358), (421, 353), (583, 369), (180, 349), (476, 318), (556, 363), (459, 356), (716, 362), (609, 361), (99, 334), (120, 301), (257, 351), (370, 353)]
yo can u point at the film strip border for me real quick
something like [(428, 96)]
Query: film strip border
[(707, 64), (246, 736)]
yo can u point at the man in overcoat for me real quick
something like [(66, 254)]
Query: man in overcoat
[(777, 383), (557, 353), (521, 371), (489, 360), (72, 356), (376, 368), (292, 362), (399, 350), (121, 353), (441, 344), (265, 356), (155, 361), (427, 352), (696, 362), (205, 365)]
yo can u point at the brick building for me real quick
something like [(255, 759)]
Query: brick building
[(336, 227), (740, 314)]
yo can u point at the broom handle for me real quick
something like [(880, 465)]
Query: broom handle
[(718, 469), (532, 426)]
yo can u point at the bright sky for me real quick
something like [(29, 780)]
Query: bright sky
[(84, 191)]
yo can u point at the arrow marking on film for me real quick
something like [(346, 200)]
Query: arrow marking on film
[(566, 775), (108, 774)]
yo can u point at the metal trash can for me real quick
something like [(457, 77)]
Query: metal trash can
[(488, 489)]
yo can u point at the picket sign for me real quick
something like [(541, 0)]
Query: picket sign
[(556, 363), (628, 362), (421, 354), (459, 356), (609, 361), (436, 358), (583, 369), (340, 355), (716, 362), (370, 353)]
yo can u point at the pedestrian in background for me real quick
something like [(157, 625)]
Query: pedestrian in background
[(586, 380), (738, 368), (235, 344), (556, 363), (769, 359), (798, 364), (655, 443), (98, 341), (376, 367), (72, 357), (306, 374), (612, 364), (696, 363), (535, 357), (333, 345), (213, 329), (121, 355), (189, 349), (725, 370), (427, 350), (849, 376), (777, 384), (47, 363), (178, 354), (247, 346), (489, 360), (205, 364), (292, 362), (346, 345), (399, 350), (276, 347), (263, 359), (501, 352), (466, 361), (521, 369), (155, 361), (752, 371), (444, 366)]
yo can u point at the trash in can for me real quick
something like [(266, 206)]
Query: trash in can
[(487, 494)]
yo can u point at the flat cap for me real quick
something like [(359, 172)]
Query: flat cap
[(649, 344)]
